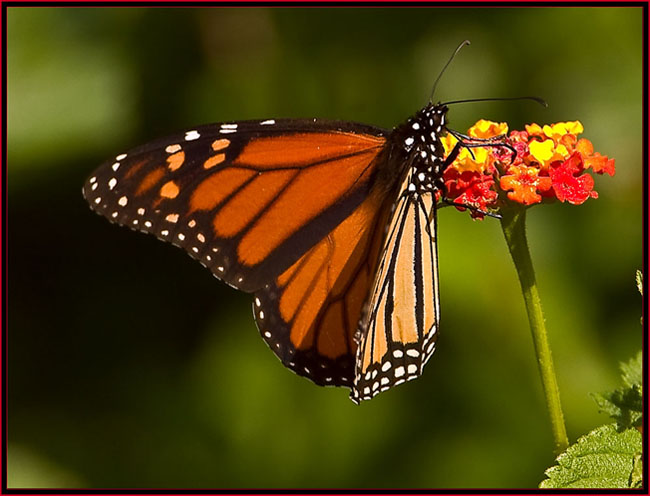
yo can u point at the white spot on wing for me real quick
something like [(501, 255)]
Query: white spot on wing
[(269, 122), (192, 135)]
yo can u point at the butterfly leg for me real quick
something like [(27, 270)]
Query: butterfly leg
[(465, 137), (470, 142), (470, 207)]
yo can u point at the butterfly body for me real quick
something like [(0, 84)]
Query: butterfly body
[(330, 224)]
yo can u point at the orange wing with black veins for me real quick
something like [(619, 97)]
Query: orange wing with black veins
[(309, 315), (248, 199)]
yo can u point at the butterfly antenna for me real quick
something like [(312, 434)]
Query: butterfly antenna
[(433, 90), (533, 98)]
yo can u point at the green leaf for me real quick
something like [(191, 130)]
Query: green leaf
[(636, 479), (625, 405), (604, 458), (633, 371)]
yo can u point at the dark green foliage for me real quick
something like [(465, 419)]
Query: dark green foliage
[(604, 458), (611, 455), (625, 405)]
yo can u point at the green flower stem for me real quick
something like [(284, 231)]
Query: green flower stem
[(513, 223)]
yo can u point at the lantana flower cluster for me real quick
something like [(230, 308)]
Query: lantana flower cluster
[(551, 164)]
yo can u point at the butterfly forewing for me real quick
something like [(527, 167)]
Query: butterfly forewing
[(246, 199), (402, 318), (398, 330)]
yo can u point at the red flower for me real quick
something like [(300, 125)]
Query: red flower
[(551, 163), (471, 188), (568, 185)]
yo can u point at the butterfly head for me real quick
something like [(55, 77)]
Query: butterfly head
[(420, 140), (421, 133)]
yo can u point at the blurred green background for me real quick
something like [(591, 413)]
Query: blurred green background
[(129, 365)]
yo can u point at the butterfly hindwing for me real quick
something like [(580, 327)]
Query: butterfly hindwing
[(246, 199), (310, 313)]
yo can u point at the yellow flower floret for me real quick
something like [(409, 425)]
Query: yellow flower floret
[(487, 129), (559, 129), (448, 142), (534, 129), (542, 151), (479, 163)]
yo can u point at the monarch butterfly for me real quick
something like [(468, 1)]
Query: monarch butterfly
[(330, 224)]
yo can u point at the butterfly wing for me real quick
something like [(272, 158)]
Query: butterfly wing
[(310, 313), (286, 209), (246, 199), (400, 327)]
